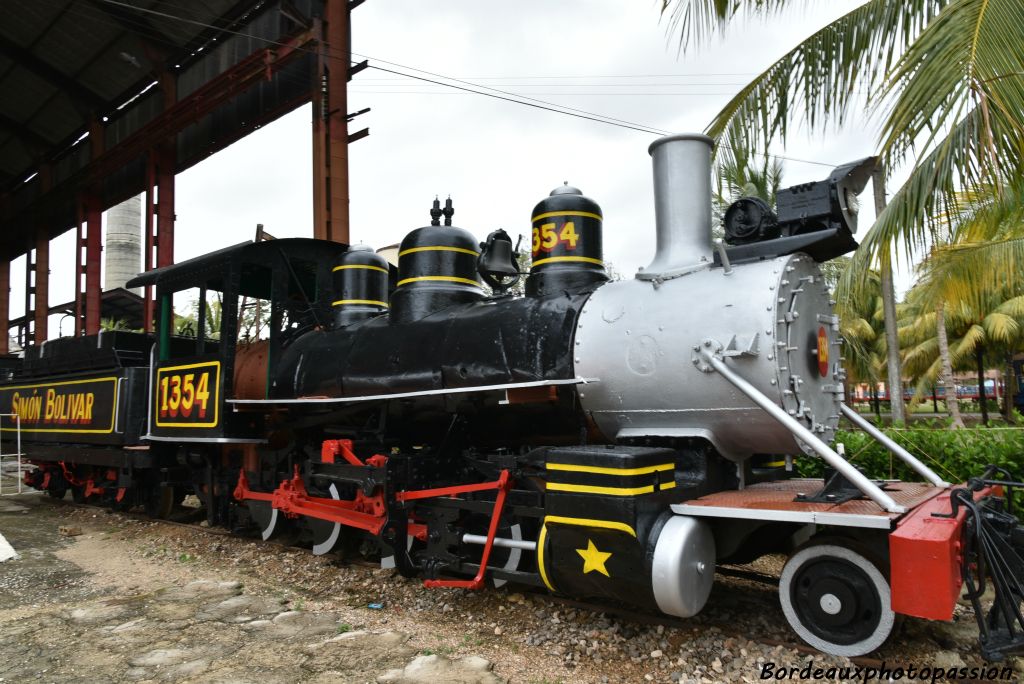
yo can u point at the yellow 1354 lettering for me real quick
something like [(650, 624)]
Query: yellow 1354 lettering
[(181, 394), (547, 236)]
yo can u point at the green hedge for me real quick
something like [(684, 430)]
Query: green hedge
[(954, 454)]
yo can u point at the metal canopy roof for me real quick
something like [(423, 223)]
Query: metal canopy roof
[(69, 68), (63, 62)]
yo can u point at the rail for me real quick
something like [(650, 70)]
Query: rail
[(8, 459)]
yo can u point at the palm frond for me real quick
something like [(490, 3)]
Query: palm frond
[(820, 77), (974, 276), (697, 20), (1000, 327), (965, 54), (966, 345)]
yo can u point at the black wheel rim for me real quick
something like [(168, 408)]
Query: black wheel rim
[(836, 600)]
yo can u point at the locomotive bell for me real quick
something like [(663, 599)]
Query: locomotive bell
[(566, 244), (498, 266)]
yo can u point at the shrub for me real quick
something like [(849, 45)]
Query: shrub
[(954, 454)]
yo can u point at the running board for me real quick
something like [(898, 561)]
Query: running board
[(409, 395)]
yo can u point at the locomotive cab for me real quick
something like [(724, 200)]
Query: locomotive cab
[(222, 321)]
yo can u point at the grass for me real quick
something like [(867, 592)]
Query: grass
[(469, 640)]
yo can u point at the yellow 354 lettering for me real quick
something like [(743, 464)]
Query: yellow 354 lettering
[(549, 235)]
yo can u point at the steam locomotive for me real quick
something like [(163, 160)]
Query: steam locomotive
[(616, 441)]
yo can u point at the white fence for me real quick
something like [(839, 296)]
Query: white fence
[(10, 461)]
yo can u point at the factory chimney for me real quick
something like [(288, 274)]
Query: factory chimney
[(124, 243)]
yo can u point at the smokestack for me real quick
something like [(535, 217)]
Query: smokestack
[(124, 243), (682, 204)]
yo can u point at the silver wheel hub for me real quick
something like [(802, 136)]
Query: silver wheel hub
[(831, 604)]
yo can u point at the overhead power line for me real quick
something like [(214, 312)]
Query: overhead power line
[(464, 85)]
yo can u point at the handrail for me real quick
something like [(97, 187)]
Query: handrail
[(854, 476), (18, 454), (919, 467)]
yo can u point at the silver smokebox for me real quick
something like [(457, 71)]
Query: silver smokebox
[(682, 204)]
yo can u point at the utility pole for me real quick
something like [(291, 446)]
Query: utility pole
[(892, 342)]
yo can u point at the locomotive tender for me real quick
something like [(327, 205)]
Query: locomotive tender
[(615, 441)]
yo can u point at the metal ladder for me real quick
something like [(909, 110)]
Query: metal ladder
[(10, 462)]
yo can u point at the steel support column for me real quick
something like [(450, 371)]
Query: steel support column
[(330, 125), (87, 268), (158, 209), (158, 249), (41, 304), (165, 206), (149, 242), (90, 226), (33, 329), (41, 275), (26, 326), (5, 304)]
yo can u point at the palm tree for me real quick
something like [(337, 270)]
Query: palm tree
[(738, 175), (942, 77), (926, 350), (974, 271), (974, 333), (861, 329)]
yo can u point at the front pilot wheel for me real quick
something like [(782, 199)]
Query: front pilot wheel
[(836, 599)]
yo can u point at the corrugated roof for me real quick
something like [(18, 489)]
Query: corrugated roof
[(64, 61), (67, 63)]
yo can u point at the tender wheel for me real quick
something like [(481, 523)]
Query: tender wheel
[(78, 494), (159, 502), (836, 600)]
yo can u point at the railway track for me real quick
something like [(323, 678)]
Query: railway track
[(727, 629)]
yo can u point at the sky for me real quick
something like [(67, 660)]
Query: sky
[(494, 158)]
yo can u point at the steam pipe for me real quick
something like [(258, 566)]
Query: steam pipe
[(682, 205), (854, 476), (898, 451)]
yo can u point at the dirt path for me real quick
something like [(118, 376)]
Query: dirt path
[(135, 601)]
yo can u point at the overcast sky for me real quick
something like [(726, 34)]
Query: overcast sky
[(496, 159)]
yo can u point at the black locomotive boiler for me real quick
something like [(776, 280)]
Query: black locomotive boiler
[(616, 441)]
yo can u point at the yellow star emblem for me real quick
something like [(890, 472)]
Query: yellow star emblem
[(593, 559)]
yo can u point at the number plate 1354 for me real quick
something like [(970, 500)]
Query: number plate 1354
[(188, 396)]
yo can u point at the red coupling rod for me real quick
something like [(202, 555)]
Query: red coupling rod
[(291, 498)]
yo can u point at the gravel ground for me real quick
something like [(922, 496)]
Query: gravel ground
[(527, 637)]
